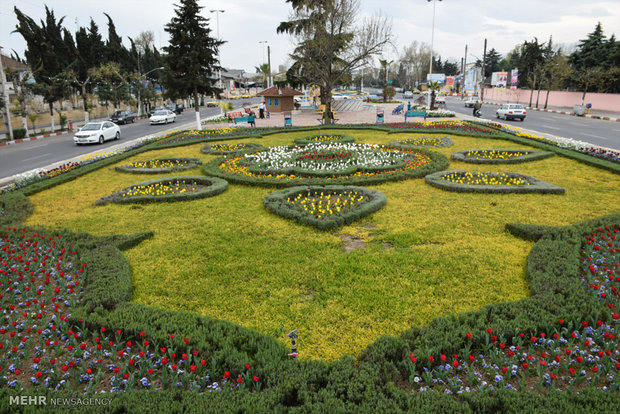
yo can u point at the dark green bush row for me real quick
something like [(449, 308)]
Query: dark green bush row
[(247, 147), (14, 209), (438, 162), (406, 143), (536, 185), (189, 164), (336, 139), (525, 157), (276, 202), (214, 186)]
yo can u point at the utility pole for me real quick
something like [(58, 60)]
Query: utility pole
[(269, 78), (484, 59), (464, 70), (5, 97), (430, 68)]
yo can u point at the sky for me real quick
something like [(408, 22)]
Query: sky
[(244, 23)]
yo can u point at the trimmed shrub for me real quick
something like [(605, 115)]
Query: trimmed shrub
[(500, 156), (158, 190), (14, 209), (19, 133), (350, 203), (325, 138), (507, 182), (225, 149), (160, 165)]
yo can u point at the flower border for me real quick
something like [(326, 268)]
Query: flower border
[(250, 147), (308, 140), (529, 155), (191, 163), (536, 185)]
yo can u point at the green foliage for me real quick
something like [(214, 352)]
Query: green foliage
[(108, 277), (278, 203), (471, 157), (19, 133), (326, 138), (212, 186), (428, 142), (15, 208), (224, 149)]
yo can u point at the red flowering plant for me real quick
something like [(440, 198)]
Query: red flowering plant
[(41, 282), (571, 356)]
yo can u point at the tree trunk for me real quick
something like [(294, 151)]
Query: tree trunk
[(85, 103), (52, 115), (25, 125), (537, 98), (547, 99), (197, 109)]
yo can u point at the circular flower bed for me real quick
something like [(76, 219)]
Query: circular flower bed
[(329, 163), (489, 182), (324, 207), (424, 142), (327, 138), (224, 149), (167, 189), (499, 156), (160, 165)]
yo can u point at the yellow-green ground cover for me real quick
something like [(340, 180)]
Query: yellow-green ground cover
[(430, 252)]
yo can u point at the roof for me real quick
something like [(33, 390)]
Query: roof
[(8, 62), (275, 91)]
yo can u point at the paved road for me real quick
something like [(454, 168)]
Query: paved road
[(26, 156), (595, 131)]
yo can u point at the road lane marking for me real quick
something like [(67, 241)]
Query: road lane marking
[(596, 136), (549, 126), (34, 158)]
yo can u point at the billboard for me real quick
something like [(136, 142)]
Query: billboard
[(436, 77), (514, 79), (449, 80), (471, 79), (499, 79)]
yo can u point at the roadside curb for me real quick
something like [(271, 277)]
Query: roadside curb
[(17, 141), (591, 116)]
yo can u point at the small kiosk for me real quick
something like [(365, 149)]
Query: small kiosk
[(380, 114), (279, 99)]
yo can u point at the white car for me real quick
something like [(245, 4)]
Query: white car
[(470, 102), (408, 95), (162, 117), (99, 132), (511, 111)]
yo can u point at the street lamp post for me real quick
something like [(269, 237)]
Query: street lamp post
[(140, 85), (5, 97), (264, 42), (430, 66), (217, 21)]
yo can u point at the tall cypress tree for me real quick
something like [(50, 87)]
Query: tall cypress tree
[(192, 55)]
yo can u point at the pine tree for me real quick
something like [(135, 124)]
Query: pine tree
[(591, 52), (192, 55)]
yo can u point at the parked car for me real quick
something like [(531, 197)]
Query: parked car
[(407, 95), (174, 107), (123, 117), (162, 117), (469, 103), (212, 104), (511, 111), (440, 99), (99, 132)]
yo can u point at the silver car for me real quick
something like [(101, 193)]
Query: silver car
[(511, 111), (162, 117), (94, 132)]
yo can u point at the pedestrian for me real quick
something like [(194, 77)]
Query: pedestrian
[(409, 106), (261, 110)]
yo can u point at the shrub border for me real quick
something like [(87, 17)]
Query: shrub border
[(445, 142), (191, 163), (344, 139), (215, 186), (276, 202), (536, 185)]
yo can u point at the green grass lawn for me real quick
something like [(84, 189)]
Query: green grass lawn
[(428, 252)]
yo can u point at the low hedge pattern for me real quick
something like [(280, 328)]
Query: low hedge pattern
[(423, 142), (507, 182), (417, 164), (158, 191), (324, 138), (159, 165), (324, 207), (500, 156), (225, 149)]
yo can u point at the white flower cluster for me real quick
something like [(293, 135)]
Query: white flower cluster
[(329, 157)]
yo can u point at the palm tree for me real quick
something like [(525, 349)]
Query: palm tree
[(263, 70), (433, 86)]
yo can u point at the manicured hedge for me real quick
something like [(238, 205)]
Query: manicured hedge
[(189, 164), (333, 138), (277, 203), (246, 147), (14, 209), (214, 187), (438, 162), (525, 157), (536, 185)]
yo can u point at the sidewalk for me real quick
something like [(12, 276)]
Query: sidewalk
[(594, 114)]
